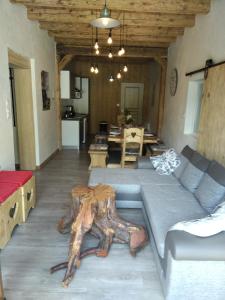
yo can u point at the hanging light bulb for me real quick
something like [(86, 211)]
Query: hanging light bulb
[(125, 68), (109, 41), (92, 69), (96, 69), (97, 52), (122, 51), (110, 55), (96, 46), (119, 52), (111, 79), (119, 76)]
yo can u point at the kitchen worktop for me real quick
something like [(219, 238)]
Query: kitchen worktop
[(77, 117)]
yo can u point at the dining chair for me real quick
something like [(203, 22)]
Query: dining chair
[(132, 144)]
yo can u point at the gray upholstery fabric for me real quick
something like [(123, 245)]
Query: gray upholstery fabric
[(144, 163), (166, 205), (217, 172), (200, 161), (183, 163), (185, 246), (123, 180), (209, 193), (151, 177), (187, 152), (191, 177)]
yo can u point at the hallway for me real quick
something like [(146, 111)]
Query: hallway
[(36, 246)]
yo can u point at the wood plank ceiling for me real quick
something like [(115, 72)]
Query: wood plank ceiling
[(150, 25)]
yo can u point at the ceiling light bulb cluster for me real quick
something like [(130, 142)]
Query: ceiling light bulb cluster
[(92, 69)]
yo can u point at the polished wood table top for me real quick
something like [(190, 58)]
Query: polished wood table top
[(147, 139)]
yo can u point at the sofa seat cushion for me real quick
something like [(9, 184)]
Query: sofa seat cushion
[(122, 180), (167, 205), (194, 171), (19, 177), (151, 177), (6, 190), (211, 189)]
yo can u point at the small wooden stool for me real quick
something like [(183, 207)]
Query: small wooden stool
[(98, 154)]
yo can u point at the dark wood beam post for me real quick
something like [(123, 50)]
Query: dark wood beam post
[(163, 64)]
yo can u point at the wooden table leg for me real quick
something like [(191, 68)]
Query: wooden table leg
[(1, 286)]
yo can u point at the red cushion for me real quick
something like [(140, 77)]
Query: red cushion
[(7, 189), (19, 177)]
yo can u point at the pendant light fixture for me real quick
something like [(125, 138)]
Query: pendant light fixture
[(110, 55), (119, 76), (125, 68), (97, 51), (111, 79), (109, 41), (96, 46), (105, 20), (92, 68), (96, 69)]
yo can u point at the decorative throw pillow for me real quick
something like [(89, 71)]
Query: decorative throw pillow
[(212, 187), (194, 171), (166, 163), (204, 227)]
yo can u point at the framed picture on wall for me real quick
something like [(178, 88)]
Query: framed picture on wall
[(45, 90)]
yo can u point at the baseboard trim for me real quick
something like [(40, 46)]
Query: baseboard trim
[(47, 160)]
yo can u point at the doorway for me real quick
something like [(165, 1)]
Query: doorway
[(132, 100), (22, 111)]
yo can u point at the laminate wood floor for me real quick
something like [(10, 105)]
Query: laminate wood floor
[(36, 246)]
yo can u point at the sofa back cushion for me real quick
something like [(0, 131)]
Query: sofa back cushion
[(185, 156), (194, 171), (211, 190)]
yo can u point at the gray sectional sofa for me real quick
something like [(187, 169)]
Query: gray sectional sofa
[(190, 267)]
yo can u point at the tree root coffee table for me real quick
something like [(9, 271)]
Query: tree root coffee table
[(93, 211)]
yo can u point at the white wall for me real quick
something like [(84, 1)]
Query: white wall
[(205, 40), (25, 38)]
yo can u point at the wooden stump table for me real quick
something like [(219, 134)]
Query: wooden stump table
[(93, 211), (98, 154)]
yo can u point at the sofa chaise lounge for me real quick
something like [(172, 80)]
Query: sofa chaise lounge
[(190, 267)]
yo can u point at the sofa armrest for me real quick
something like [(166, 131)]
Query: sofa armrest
[(144, 163), (185, 246)]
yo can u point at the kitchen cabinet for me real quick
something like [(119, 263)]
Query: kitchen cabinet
[(71, 134)]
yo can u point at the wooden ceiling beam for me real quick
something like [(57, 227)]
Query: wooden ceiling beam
[(87, 43), (163, 6), (102, 39), (71, 17), (139, 30), (131, 52)]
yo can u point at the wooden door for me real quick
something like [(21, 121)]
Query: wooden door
[(132, 99), (25, 119), (211, 138)]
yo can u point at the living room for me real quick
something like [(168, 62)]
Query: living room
[(188, 110)]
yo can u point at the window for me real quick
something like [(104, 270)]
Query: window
[(193, 109)]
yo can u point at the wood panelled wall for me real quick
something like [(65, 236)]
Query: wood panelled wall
[(211, 139), (105, 96)]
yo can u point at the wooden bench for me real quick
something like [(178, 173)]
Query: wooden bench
[(17, 197)]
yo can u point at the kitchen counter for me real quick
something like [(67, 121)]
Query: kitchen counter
[(77, 117)]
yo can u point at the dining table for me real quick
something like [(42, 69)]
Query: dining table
[(148, 139)]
